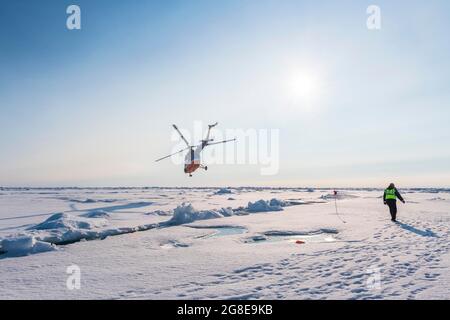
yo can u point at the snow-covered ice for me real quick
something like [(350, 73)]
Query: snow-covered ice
[(223, 191), (24, 245), (173, 243)]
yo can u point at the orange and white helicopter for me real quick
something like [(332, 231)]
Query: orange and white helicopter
[(192, 159)]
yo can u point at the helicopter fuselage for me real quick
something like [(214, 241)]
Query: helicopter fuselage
[(191, 167), (192, 159)]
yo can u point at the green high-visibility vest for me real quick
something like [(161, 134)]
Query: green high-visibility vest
[(390, 194)]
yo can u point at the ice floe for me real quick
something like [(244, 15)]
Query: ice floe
[(223, 191), (65, 228), (70, 222), (24, 245), (186, 213)]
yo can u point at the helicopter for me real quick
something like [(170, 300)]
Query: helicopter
[(192, 158)]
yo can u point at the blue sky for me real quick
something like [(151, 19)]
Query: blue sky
[(94, 107)]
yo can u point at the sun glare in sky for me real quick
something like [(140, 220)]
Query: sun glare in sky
[(303, 86), (303, 89)]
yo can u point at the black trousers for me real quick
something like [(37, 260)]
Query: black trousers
[(392, 204)]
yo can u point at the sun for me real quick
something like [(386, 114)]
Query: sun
[(303, 86)]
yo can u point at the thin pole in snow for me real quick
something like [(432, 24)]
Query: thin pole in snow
[(335, 205)]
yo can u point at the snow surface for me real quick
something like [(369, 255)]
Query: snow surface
[(156, 243)]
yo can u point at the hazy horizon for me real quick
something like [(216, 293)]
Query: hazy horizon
[(226, 187)]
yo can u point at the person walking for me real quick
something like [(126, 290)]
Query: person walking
[(390, 199)]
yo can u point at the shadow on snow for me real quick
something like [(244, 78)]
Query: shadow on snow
[(423, 233)]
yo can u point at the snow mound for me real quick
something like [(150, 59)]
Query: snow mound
[(96, 214), (84, 201), (63, 228), (266, 206), (158, 213), (24, 245), (186, 214), (174, 244), (89, 200), (277, 202), (339, 196), (437, 199), (67, 221), (223, 191)]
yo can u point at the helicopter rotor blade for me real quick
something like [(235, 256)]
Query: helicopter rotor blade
[(181, 135), (172, 154), (224, 141)]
